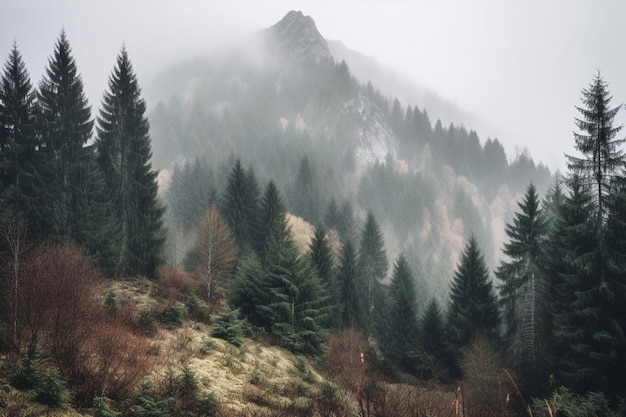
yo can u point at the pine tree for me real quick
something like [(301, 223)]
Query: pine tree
[(65, 127), (525, 289), (322, 260), (576, 275), (124, 153), (473, 308), (351, 304), (296, 307), (433, 338), (321, 256), (372, 261), (402, 336), (602, 159), (305, 197), (19, 157), (272, 213), (240, 204), (74, 190)]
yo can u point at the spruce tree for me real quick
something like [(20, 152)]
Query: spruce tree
[(473, 307), (240, 204), (433, 338), (272, 213), (296, 306), (305, 197), (351, 303), (402, 336), (65, 126), (525, 289), (322, 260), (124, 153), (602, 159), (577, 271), (20, 161), (74, 189), (373, 261)]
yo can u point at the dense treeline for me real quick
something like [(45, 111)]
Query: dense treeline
[(555, 314), (303, 125), (65, 188), (555, 311)]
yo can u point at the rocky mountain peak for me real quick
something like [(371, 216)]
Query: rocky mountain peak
[(296, 38)]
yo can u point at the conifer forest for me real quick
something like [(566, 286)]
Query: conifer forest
[(404, 265)]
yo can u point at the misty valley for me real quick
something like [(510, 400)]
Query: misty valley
[(273, 232)]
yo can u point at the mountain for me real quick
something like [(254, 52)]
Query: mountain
[(297, 39), (289, 105)]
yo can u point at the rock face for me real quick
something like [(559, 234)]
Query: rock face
[(297, 39)]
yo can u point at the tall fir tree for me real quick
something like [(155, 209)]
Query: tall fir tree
[(373, 261), (322, 260), (525, 289), (74, 190), (305, 197), (401, 342), (351, 304), (20, 183), (433, 339), (602, 159), (473, 307), (272, 214), (124, 153), (577, 272), (240, 204)]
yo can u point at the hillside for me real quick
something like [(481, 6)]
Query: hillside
[(281, 97)]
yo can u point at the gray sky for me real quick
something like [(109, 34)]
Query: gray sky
[(520, 65)]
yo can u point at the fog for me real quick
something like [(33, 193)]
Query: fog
[(519, 66)]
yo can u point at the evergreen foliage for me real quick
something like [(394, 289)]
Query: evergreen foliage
[(240, 204), (73, 187), (402, 332), (602, 159), (473, 307), (433, 338), (525, 289), (191, 191), (124, 154), (20, 162), (305, 198), (373, 262), (230, 327), (272, 216), (351, 303)]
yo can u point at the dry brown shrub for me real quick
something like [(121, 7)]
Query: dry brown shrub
[(175, 284), (346, 358), (115, 361), (59, 301), (485, 388)]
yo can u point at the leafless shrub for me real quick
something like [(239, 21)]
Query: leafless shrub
[(174, 284), (485, 388)]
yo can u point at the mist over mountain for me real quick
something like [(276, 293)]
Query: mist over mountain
[(311, 115)]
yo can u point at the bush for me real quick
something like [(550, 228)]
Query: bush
[(562, 402), (175, 284), (230, 327), (198, 309), (173, 316), (146, 323), (50, 389), (27, 376), (118, 360), (102, 408)]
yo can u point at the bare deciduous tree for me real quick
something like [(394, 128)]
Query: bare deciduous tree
[(214, 252)]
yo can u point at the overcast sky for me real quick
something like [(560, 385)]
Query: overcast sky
[(520, 65)]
